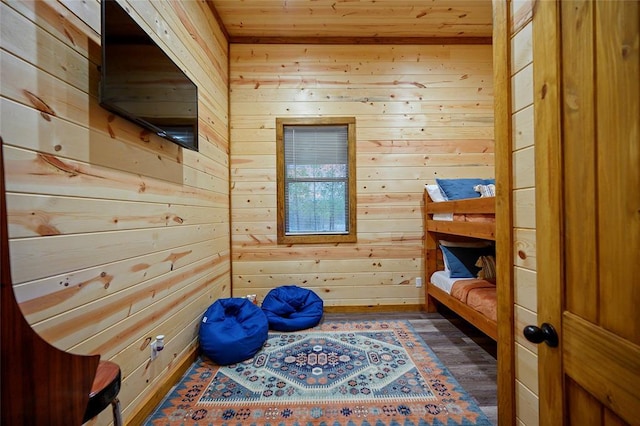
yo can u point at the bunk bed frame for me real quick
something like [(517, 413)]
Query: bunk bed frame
[(460, 231)]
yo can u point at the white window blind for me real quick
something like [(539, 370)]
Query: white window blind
[(316, 179)]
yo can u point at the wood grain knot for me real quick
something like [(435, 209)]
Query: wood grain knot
[(40, 105), (626, 49), (146, 343), (543, 91)]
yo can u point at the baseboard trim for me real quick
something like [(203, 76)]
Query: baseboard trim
[(373, 308), (146, 407)]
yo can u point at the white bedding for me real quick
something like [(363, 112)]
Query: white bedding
[(443, 216), (442, 280), (436, 196)]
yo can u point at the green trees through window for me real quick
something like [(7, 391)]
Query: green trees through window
[(316, 180)]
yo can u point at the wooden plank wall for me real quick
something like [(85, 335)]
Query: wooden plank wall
[(421, 112), (116, 235), (524, 224)]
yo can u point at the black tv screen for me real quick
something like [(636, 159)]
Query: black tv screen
[(141, 83)]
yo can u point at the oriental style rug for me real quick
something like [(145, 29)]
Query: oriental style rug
[(370, 373)]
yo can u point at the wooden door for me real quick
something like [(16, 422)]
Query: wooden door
[(588, 202)]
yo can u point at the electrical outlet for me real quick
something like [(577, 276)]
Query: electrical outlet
[(418, 281)]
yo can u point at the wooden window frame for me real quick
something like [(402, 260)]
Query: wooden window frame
[(351, 236)]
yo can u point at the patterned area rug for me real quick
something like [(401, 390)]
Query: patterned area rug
[(372, 373)]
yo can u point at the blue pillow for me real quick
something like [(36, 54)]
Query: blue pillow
[(462, 260), (457, 189)]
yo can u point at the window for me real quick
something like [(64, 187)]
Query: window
[(316, 180)]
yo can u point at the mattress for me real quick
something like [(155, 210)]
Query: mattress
[(479, 295), (442, 280)]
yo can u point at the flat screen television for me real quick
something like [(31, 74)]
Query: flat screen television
[(141, 83)]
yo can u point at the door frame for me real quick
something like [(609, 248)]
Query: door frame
[(549, 199), (504, 217)]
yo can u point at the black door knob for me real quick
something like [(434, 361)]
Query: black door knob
[(545, 333)]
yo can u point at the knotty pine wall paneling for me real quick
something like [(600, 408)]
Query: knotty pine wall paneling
[(524, 224), (421, 112), (116, 235)]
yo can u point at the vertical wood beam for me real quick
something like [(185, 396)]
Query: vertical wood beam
[(549, 212), (504, 219)]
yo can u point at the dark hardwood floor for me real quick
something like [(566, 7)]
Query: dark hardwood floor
[(468, 354)]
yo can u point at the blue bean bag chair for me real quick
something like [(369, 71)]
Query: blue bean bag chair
[(232, 330), (292, 308)]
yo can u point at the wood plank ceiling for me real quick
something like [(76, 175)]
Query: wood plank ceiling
[(355, 21)]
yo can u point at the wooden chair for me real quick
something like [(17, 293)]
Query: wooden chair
[(40, 383), (104, 392)]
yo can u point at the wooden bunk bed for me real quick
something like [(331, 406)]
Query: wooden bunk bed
[(457, 231)]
